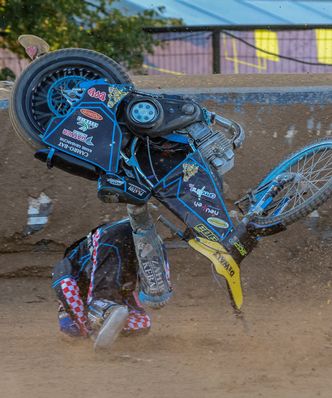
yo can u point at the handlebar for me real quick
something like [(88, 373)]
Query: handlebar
[(237, 130)]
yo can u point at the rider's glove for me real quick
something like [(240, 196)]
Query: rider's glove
[(68, 326)]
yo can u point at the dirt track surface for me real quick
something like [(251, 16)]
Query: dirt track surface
[(280, 348)]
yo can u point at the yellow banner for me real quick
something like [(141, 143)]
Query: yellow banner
[(268, 41), (324, 45)]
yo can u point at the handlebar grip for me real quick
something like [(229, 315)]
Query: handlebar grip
[(238, 140)]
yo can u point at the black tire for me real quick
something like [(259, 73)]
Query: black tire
[(29, 117), (323, 150)]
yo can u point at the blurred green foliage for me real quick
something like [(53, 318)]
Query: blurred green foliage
[(7, 74), (79, 23)]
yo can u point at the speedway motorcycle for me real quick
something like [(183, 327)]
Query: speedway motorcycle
[(81, 113)]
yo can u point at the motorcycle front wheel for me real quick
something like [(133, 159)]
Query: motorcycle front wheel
[(42, 90), (310, 185)]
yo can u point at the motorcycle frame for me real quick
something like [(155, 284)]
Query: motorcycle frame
[(231, 247)]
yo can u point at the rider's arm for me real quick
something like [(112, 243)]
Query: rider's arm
[(65, 276)]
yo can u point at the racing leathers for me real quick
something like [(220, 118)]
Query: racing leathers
[(100, 267)]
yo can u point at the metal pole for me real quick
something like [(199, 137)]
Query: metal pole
[(216, 51)]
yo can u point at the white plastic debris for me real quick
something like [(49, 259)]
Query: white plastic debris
[(38, 211)]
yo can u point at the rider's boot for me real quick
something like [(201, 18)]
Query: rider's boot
[(107, 319), (155, 287)]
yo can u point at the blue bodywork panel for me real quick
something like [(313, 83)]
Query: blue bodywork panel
[(192, 193), (90, 131)]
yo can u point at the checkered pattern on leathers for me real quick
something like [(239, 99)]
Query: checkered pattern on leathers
[(95, 244), (137, 321), (71, 292)]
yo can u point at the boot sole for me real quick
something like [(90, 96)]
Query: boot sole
[(111, 328)]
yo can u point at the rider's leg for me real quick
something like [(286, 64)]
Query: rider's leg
[(153, 271), (71, 311), (113, 281), (109, 277)]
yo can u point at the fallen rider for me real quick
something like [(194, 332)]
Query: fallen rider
[(96, 284)]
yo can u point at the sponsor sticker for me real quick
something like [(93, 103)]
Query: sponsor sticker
[(115, 182), (213, 211), (101, 95), (91, 114), (234, 241), (115, 95), (79, 136), (189, 170), (241, 249), (136, 190), (225, 264), (218, 222), (72, 146), (201, 192), (86, 124), (206, 232)]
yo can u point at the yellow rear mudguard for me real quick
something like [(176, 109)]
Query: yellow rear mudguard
[(224, 265)]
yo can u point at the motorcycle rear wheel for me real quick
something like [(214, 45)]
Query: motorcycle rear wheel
[(32, 105), (312, 165)]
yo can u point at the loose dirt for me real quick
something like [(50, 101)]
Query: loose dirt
[(280, 347)]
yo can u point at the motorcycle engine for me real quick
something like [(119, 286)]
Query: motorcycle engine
[(214, 146), (156, 116)]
